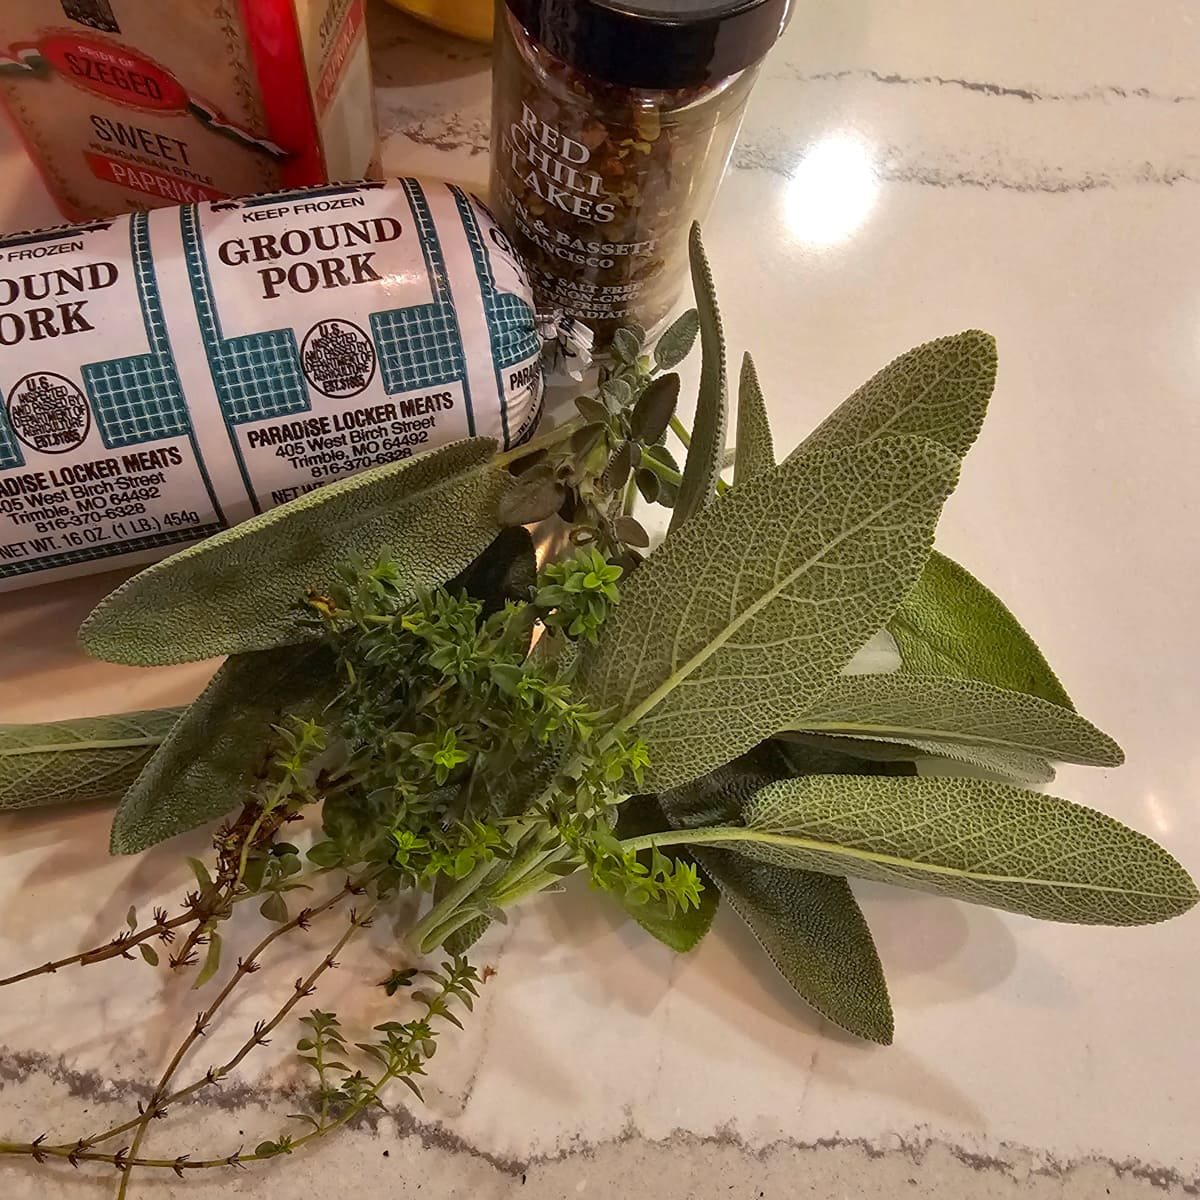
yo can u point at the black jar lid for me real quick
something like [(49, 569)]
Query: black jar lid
[(655, 44)]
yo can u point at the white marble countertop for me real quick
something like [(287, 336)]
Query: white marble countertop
[(906, 171)]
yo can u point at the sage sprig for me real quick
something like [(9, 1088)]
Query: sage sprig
[(792, 691), (86, 759)]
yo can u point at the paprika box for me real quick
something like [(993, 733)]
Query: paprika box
[(134, 104)]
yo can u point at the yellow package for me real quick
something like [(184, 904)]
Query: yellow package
[(467, 18)]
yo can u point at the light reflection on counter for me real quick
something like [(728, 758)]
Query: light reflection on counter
[(832, 191), (1157, 813)]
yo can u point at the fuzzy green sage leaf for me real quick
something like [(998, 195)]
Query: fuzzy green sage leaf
[(744, 616), (938, 391), (755, 446), (240, 590), (970, 839), (812, 929), (1009, 766), (950, 624), (677, 342), (209, 764), (83, 760), (706, 454), (809, 925), (916, 708)]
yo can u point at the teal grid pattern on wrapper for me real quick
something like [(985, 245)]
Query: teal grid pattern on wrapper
[(139, 398), (512, 325), (421, 347), (10, 451), (67, 558), (134, 399), (257, 376)]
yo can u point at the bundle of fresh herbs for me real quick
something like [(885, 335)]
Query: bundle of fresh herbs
[(714, 719)]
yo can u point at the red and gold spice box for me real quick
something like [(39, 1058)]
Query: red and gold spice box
[(135, 104)]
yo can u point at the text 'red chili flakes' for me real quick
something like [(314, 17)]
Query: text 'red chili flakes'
[(612, 130)]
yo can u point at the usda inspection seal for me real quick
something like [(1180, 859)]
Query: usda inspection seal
[(49, 413), (338, 358)]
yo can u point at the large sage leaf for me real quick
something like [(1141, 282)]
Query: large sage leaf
[(813, 930), (744, 616), (755, 446), (1010, 766), (938, 391), (681, 930), (87, 759), (966, 838), (950, 624), (706, 454), (722, 796), (809, 925), (240, 590), (213, 758), (917, 708)]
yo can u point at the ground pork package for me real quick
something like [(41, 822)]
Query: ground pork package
[(166, 374)]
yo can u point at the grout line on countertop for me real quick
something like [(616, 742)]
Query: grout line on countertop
[(17, 1067), (1101, 92)]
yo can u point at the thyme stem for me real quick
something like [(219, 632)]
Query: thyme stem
[(246, 966)]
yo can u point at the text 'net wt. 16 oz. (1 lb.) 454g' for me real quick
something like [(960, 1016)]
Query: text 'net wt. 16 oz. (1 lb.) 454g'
[(164, 375)]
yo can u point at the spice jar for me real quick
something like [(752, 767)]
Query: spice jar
[(612, 127)]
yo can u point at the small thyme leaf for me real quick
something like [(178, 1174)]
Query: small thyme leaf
[(212, 961)]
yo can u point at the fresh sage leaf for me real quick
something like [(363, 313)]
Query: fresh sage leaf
[(755, 451), (651, 415), (240, 590), (938, 391), (593, 410), (722, 796), (620, 466), (745, 616), (626, 346), (537, 495), (970, 839), (84, 760), (950, 624), (705, 455), (916, 708), (631, 532), (809, 924), (677, 342), (1009, 766), (681, 930), (617, 395), (647, 484), (210, 762), (813, 930)]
